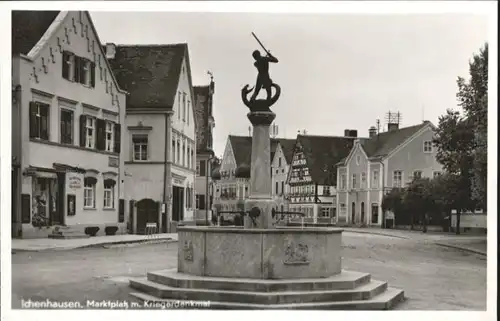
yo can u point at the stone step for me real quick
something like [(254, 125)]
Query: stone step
[(363, 292), (343, 281), (383, 301)]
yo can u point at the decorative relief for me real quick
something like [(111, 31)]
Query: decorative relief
[(296, 254), (35, 76), (66, 34), (59, 44), (44, 66), (52, 55), (74, 24), (188, 251)]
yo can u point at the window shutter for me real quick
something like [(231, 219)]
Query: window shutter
[(117, 138), (92, 74), (202, 168), (101, 134), (121, 211), (65, 66), (83, 132), (44, 123), (33, 126), (76, 68)]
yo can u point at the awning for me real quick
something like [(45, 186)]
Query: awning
[(90, 180), (40, 172), (68, 168), (109, 183)]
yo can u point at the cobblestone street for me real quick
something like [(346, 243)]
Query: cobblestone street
[(433, 277)]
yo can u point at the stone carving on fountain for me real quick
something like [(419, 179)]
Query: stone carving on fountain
[(261, 266)]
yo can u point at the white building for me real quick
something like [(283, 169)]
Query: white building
[(160, 139), (67, 112)]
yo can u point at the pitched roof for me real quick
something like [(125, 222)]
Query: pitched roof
[(382, 144), (287, 146), (323, 153), (150, 73), (28, 27), (242, 149)]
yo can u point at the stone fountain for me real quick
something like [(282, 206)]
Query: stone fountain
[(261, 265)]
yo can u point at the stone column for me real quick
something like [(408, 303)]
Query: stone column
[(260, 199)]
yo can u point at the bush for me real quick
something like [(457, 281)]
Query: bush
[(91, 230), (110, 230)]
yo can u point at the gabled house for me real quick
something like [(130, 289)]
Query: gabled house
[(160, 139), (312, 176), (204, 150), (279, 171), (379, 163), (232, 178), (67, 137)]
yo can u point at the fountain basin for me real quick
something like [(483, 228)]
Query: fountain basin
[(277, 253)]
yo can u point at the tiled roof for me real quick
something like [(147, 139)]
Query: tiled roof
[(242, 149), (323, 153), (287, 146), (28, 27), (384, 143), (201, 98), (150, 73)]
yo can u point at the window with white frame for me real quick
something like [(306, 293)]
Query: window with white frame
[(109, 136), (363, 180), (325, 212), (374, 181), (436, 174), (326, 190), (89, 192), (140, 143), (109, 193), (85, 77), (397, 180), (354, 181), (342, 209), (427, 146), (90, 132), (343, 181), (417, 174)]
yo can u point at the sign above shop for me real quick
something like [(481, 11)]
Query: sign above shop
[(74, 182), (113, 162)]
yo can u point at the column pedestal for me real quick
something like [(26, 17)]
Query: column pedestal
[(260, 202)]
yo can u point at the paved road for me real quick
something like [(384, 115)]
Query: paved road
[(433, 277)]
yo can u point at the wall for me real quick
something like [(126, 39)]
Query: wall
[(411, 157)]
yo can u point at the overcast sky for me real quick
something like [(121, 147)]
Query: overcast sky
[(336, 71)]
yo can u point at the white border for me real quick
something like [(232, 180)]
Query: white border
[(371, 7)]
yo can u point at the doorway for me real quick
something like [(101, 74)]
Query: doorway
[(353, 212), (177, 204), (147, 212), (374, 213), (362, 212)]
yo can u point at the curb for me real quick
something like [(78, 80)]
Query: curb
[(97, 245), (461, 248), (376, 233)]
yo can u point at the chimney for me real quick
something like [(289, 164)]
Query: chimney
[(110, 50), (392, 127), (350, 133), (372, 131)]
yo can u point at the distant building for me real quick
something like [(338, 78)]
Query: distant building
[(377, 164), (279, 169), (312, 175), (67, 133), (204, 150), (160, 139)]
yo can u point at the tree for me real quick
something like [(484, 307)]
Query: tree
[(393, 201), (461, 139), (419, 199), (473, 98)]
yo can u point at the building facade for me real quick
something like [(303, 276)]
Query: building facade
[(378, 164), (232, 178), (67, 116), (279, 172), (204, 151), (160, 139), (312, 176)]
